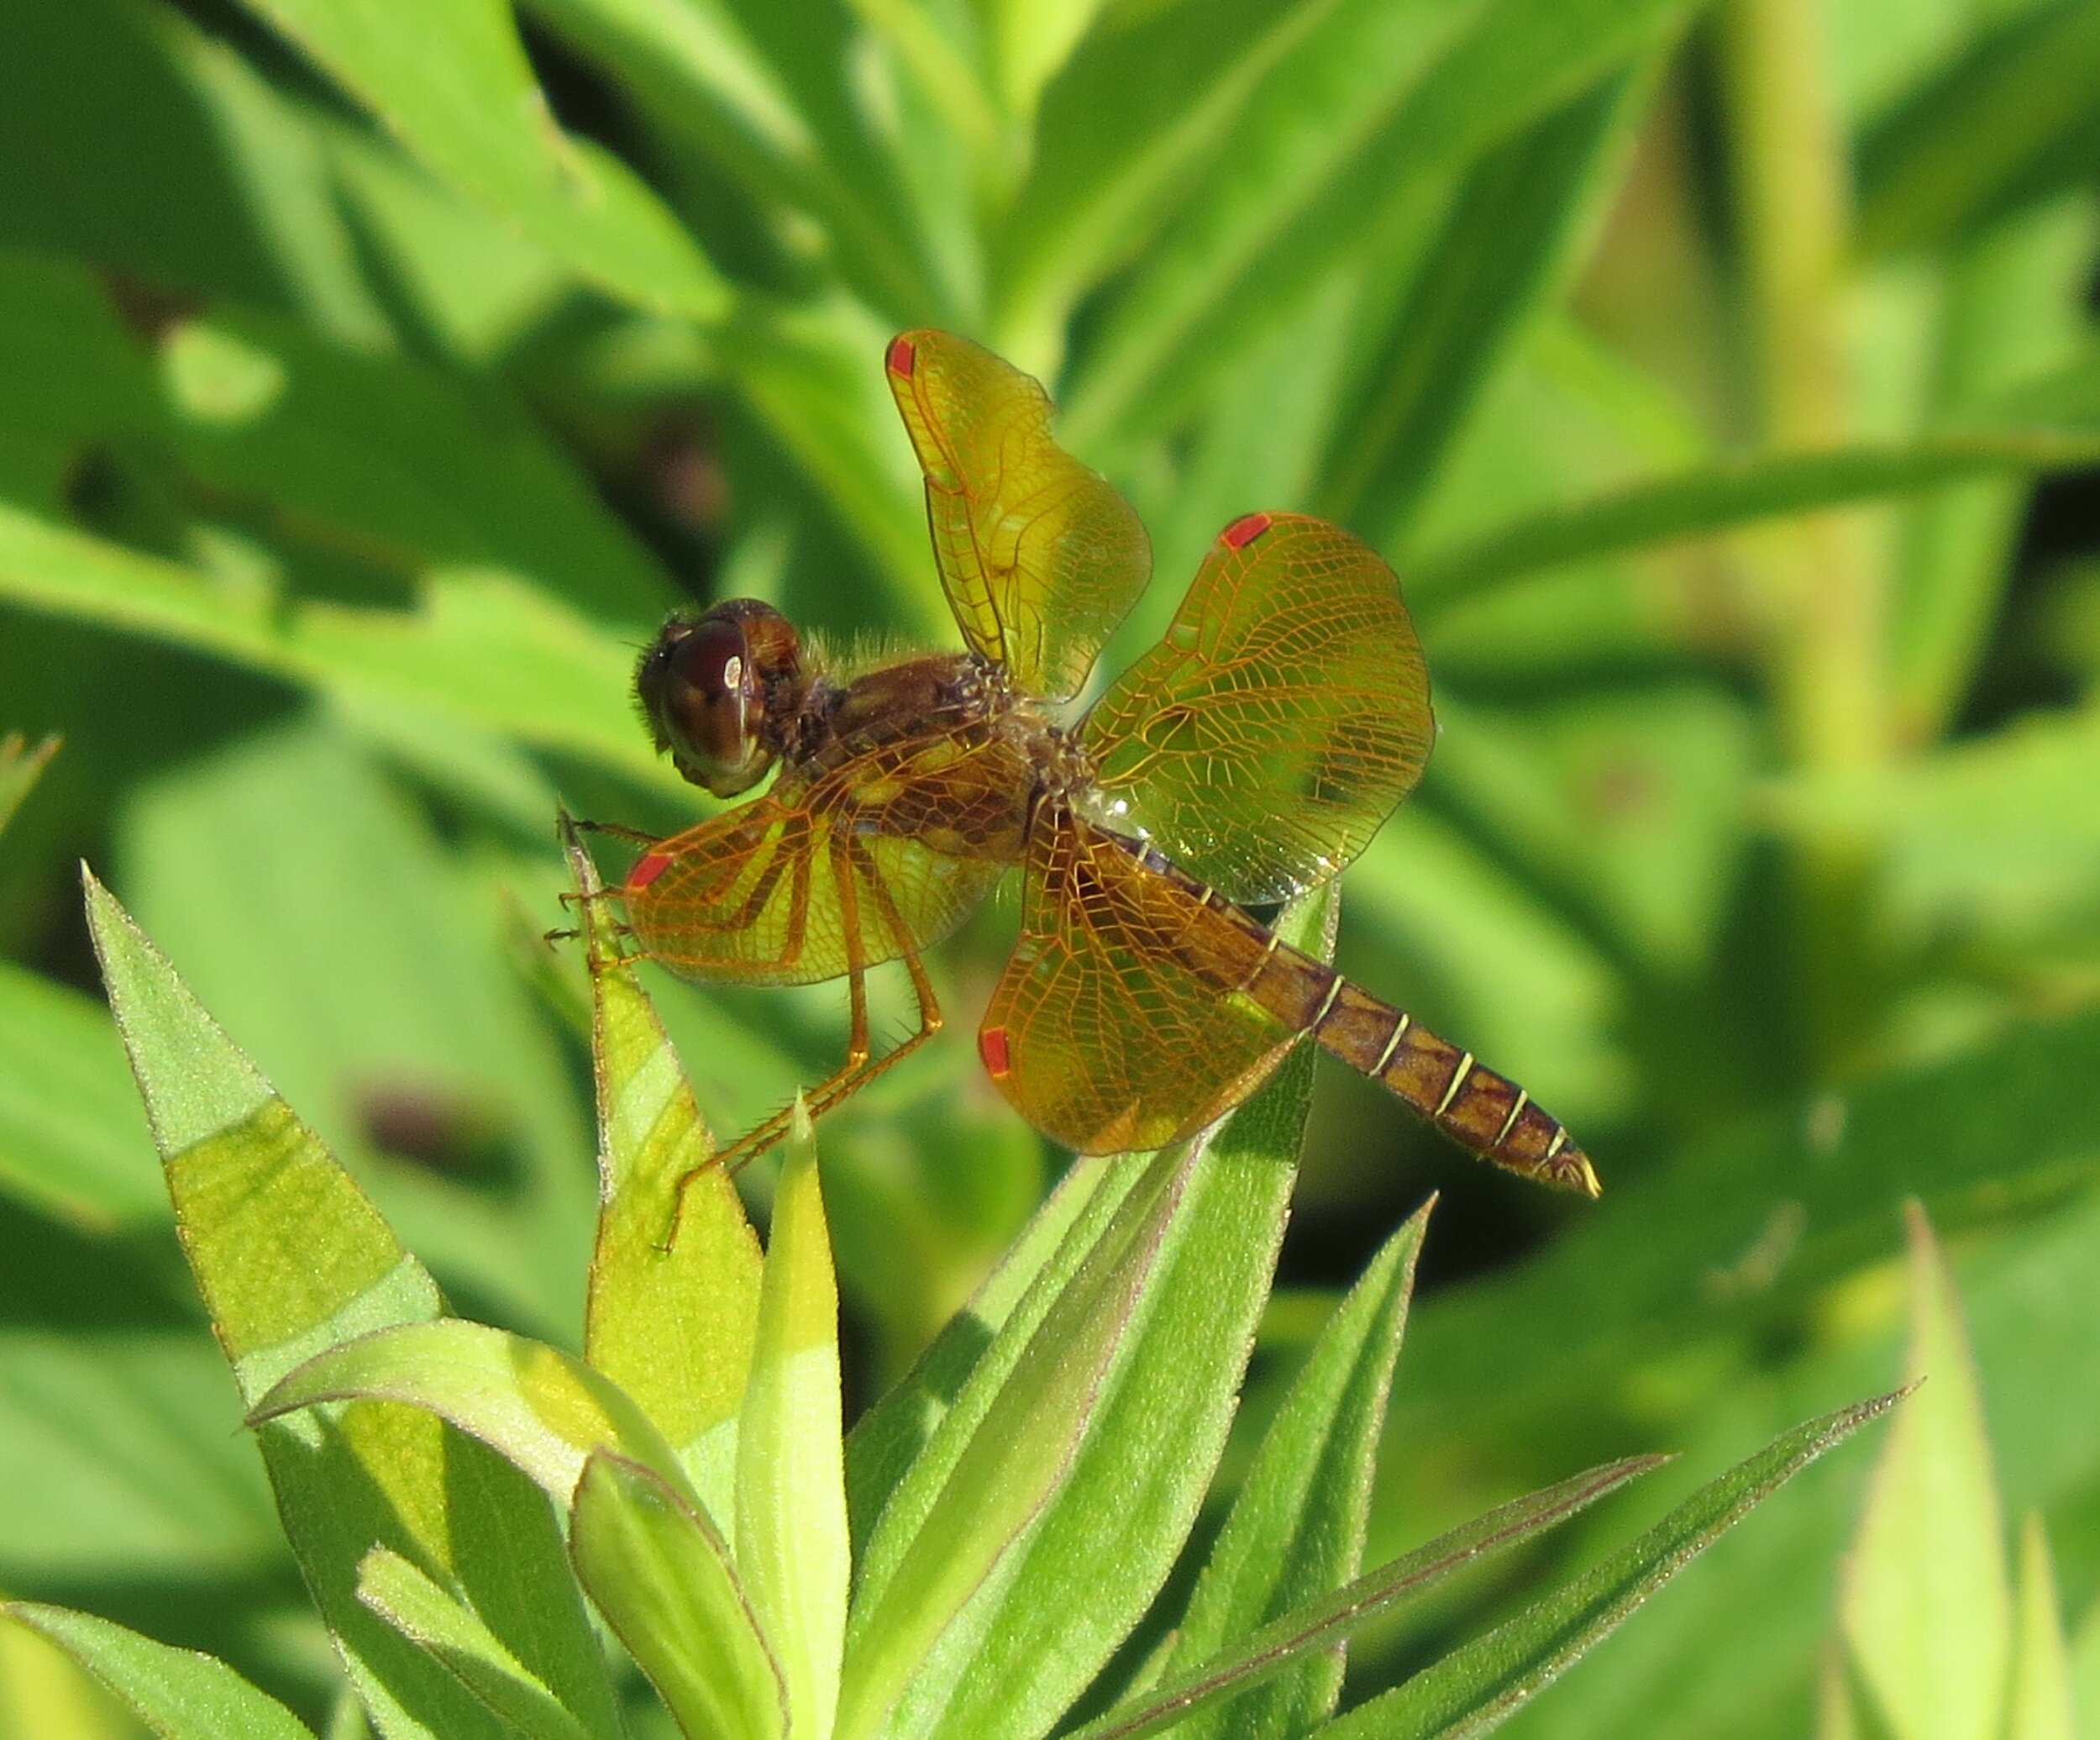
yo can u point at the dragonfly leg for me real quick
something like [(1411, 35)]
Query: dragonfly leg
[(861, 1066)]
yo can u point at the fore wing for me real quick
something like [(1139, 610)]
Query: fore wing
[(767, 894), (1116, 1025), (1263, 742), (1040, 557)]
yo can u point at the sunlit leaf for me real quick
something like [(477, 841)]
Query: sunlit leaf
[(791, 1493), (1480, 1685), (661, 1575), (177, 1693), (454, 83), (1927, 1610)]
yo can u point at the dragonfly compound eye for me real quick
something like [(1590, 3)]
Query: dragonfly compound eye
[(706, 687)]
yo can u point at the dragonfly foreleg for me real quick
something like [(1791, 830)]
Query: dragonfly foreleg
[(852, 865)]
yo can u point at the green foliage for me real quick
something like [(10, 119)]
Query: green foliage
[(372, 378), (1000, 1574)]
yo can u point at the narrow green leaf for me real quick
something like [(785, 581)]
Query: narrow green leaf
[(2011, 316), (1511, 234), (790, 1497), (1034, 1635), (811, 376), (453, 83), (455, 1635), (177, 1693), (2010, 119), (1295, 1531), (1759, 1214), (1005, 1446), (761, 93), (1302, 1637), (48, 567), (887, 1440), (20, 767), (2041, 1704), (673, 1322), (1728, 494), (1481, 1685), (290, 1254), (661, 1575), (1117, 145), (71, 1142), (544, 1410), (1995, 836), (1406, 94), (480, 645), (1926, 1611), (399, 462)]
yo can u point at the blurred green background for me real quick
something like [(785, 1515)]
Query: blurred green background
[(1721, 380)]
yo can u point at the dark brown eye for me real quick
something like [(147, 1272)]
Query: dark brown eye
[(706, 687)]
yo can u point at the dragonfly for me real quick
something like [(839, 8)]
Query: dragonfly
[(1246, 759)]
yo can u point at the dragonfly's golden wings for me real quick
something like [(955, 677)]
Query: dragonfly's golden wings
[(1261, 743), (1040, 557)]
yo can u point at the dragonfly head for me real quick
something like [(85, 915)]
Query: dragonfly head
[(717, 690)]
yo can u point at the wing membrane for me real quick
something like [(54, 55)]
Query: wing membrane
[(1263, 742), (755, 895), (1114, 1025), (1040, 557)]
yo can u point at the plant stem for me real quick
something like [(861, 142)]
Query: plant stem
[(1822, 580)]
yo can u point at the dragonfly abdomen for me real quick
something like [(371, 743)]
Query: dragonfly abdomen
[(1475, 1107)]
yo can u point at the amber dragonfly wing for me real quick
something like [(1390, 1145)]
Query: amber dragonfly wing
[(1140, 1005), (1039, 556), (1286, 712), (829, 876)]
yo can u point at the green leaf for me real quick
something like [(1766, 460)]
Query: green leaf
[(453, 83), (1630, 799), (2010, 119), (792, 1541), (1295, 1531), (20, 766), (1071, 1560), (1759, 1215), (674, 1327), (545, 1412), (292, 1259), (1510, 236), (2039, 1707), (120, 116), (885, 1441), (394, 462), (812, 378), (1116, 146), (1479, 1685), (177, 1693), (661, 1575), (290, 860), (1005, 1445), (46, 1694), (71, 1141), (764, 94), (455, 1635), (1728, 494), (121, 1458), (1297, 1638), (2012, 319), (1926, 1613), (1405, 93)]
